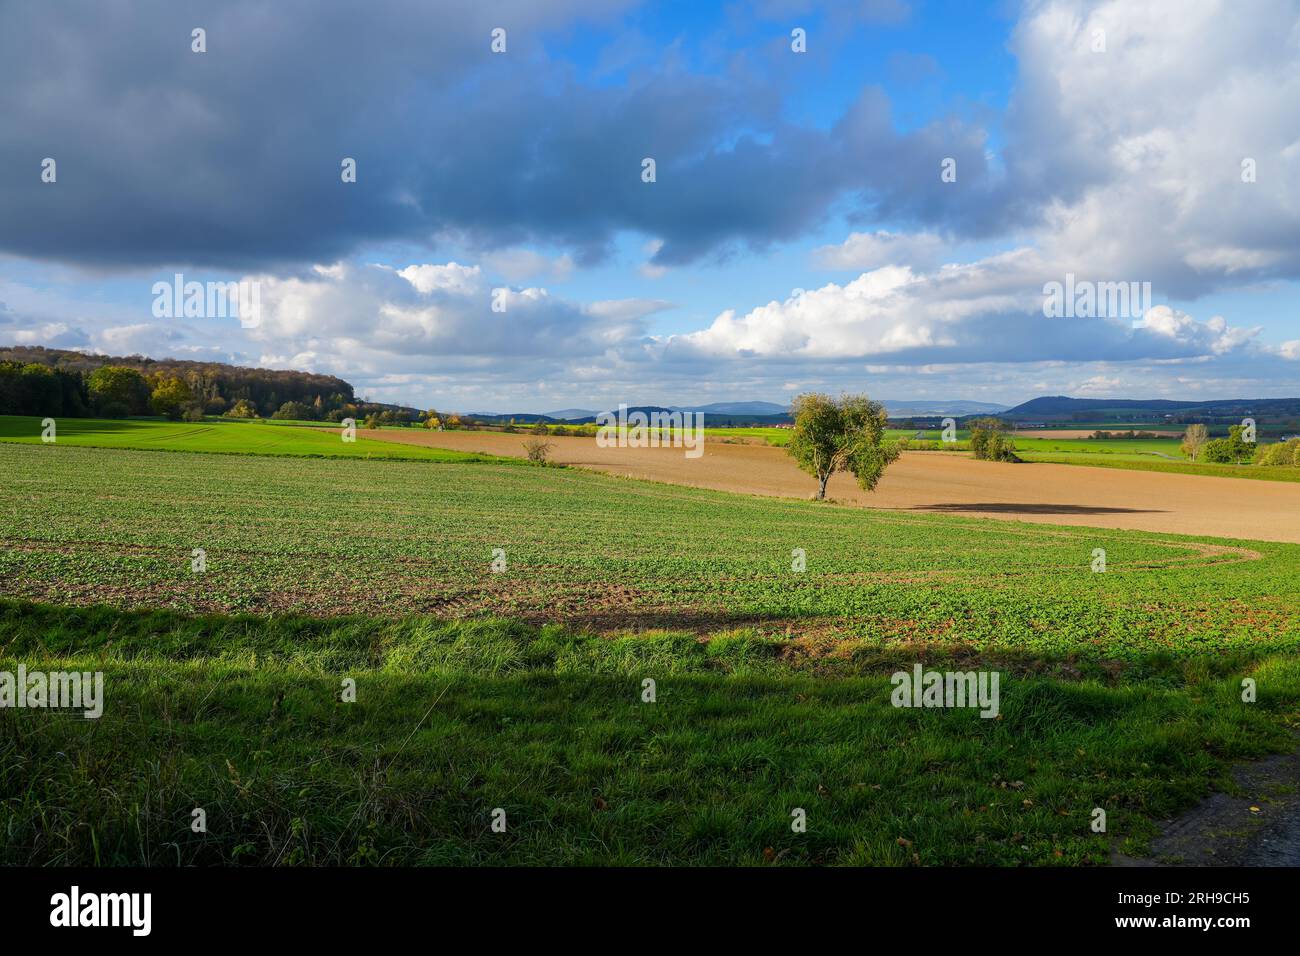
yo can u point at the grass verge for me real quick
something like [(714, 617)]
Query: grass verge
[(242, 717)]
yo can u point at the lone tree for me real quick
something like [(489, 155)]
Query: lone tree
[(1194, 440), (844, 434)]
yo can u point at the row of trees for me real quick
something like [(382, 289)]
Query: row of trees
[(1233, 450), (1279, 453), (117, 391), (34, 389)]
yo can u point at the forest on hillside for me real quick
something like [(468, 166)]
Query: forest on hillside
[(58, 382)]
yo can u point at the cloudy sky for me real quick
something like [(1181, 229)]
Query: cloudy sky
[(800, 232)]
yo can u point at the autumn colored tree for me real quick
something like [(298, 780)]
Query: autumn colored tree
[(1194, 440), (170, 396)]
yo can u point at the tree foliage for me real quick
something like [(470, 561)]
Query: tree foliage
[(119, 388), (170, 397), (844, 434), (990, 441), (1279, 453), (1232, 450)]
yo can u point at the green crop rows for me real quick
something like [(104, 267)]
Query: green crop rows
[(523, 689), (337, 536)]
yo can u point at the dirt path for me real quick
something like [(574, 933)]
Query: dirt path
[(945, 482), (1259, 826)]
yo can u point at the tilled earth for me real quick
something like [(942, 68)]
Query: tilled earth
[(946, 482)]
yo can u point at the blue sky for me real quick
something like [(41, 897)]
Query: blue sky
[(798, 236)]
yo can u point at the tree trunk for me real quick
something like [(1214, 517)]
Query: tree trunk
[(821, 491)]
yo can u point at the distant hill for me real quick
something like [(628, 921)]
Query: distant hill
[(939, 407), (712, 419), (738, 408), (1061, 408), (717, 408), (759, 413)]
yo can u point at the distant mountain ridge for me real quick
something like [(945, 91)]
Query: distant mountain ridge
[(1049, 408), (1063, 408), (940, 407), (773, 409), (716, 408), (712, 417)]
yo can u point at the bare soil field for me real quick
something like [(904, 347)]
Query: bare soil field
[(946, 483)]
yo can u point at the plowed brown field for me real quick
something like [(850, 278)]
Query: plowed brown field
[(943, 482)]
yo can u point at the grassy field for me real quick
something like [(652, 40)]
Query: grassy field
[(243, 718), (1126, 447), (314, 439), (523, 689), (780, 437), (218, 436), (391, 537)]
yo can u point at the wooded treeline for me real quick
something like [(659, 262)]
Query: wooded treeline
[(57, 382)]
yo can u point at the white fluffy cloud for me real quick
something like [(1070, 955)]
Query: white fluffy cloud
[(1138, 153), (1133, 163), (452, 277), (428, 323), (987, 311)]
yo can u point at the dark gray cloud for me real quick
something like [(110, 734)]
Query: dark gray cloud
[(231, 158)]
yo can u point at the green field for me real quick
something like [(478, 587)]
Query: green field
[(1169, 448), (316, 439), (780, 437), (219, 436), (522, 689)]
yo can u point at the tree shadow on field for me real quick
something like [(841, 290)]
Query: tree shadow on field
[(1032, 509)]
